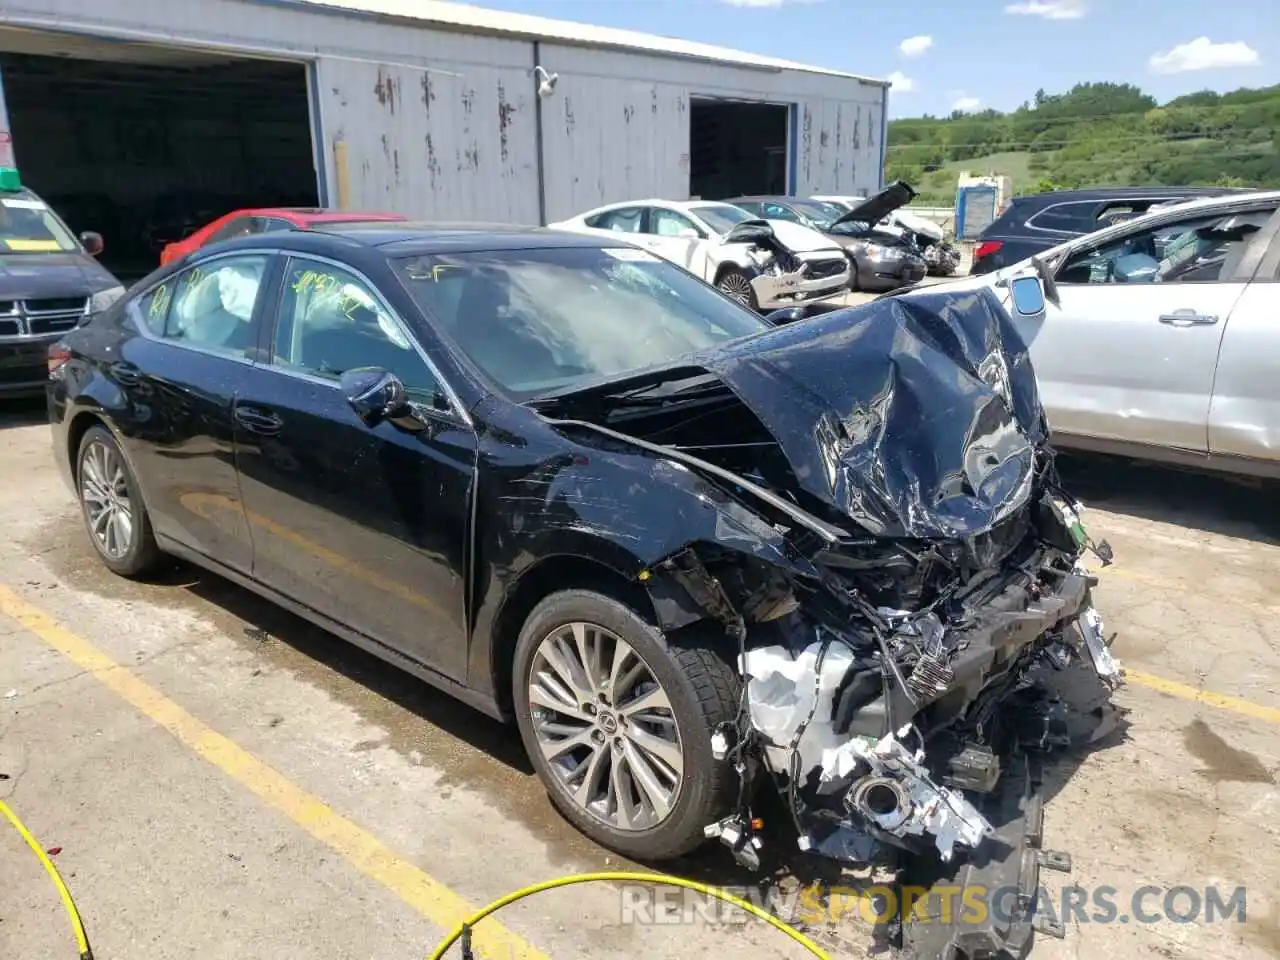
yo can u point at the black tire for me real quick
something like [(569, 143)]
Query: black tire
[(736, 285), (703, 691), (142, 554)]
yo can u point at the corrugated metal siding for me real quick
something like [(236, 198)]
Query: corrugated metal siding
[(610, 139), (613, 131), (431, 145), (616, 147)]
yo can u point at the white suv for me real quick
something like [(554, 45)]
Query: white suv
[(764, 264)]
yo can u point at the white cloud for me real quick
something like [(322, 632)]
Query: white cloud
[(1203, 54), (914, 46), (901, 82), (763, 3), (1049, 9), (966, 104)]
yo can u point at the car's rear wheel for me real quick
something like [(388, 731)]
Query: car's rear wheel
[(111, 504), (736, 285), (618, 724)]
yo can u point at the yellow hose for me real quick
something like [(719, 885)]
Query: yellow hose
[(82, 940), (654, 878)]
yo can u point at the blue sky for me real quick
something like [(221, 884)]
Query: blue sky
[(977, 53)]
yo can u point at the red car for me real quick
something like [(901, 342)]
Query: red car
[(240, 223)]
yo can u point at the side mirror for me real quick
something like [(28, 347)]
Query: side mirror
[(92, 243), (1028, 296), (688, 233), (374, 394), (786, 315)]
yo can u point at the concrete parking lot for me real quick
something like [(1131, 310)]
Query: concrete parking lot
[(225, 780)]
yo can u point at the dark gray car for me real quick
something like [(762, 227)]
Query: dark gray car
[(879, 259)]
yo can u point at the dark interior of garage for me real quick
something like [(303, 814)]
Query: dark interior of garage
[(152, 143), (737, 148)]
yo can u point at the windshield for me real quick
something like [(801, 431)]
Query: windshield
[(27, 225), (721, 217), (820, 214), (546, 320)]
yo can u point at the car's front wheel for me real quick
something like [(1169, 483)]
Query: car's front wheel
[(618, 724), (736, 285), (111, 504)]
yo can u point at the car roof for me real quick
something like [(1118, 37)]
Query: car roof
[(315, 214), (1124, 193), (407, 238)]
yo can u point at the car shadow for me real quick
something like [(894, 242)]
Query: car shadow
[(1212, 503), (268, 622), (23, 412)]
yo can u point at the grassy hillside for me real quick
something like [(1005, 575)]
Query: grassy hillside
[(1096, 134)]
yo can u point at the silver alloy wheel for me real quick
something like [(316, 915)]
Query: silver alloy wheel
[(105, 494), (605, 726), (736, 287)]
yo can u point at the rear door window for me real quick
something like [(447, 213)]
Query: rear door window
[(1079, 216), (623, 220), (210, 306)]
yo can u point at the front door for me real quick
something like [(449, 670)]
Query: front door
[(1130, 353), (198, 332), (366, 526)]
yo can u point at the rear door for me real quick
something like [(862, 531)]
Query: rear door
[(367, 526), (1244, 418), (1134, 361), (675, 237), (199, 330)]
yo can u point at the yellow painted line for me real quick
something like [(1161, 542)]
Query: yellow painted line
[(431, 898), (1173, 688)]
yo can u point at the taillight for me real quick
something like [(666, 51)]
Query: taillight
[(57, 356), (986, 248)]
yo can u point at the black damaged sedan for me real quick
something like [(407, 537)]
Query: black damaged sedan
[(688, 549)]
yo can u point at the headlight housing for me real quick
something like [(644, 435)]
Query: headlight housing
[(886, 253), (103, 299)]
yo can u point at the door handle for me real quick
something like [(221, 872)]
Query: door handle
[(125, 373), (256, 421), (1188, 318)]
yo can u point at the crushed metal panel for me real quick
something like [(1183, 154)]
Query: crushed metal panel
[(454, 143)]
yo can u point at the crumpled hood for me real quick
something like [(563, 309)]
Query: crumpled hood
[(799, 238), (915, 417)]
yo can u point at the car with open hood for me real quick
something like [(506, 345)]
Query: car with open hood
[(49, 283), (941, 256), (763, 264), (691, 552), (880, 258)]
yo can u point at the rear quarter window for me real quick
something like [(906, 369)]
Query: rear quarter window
[(1077, 217)]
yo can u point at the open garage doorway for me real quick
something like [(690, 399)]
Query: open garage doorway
[(737, 148), (144, 143)]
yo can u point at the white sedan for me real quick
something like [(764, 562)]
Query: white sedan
[(764, 264)]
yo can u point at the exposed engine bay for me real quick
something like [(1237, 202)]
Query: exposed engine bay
[(904, 569)]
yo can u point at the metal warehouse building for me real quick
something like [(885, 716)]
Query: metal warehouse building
[(134, 116)]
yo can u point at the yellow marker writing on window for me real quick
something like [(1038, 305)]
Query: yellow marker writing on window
[(34, 246)]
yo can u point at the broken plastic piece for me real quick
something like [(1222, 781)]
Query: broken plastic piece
[(783, 702), (1091, 629), (735, 833), (900, 798), (719, 745)]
